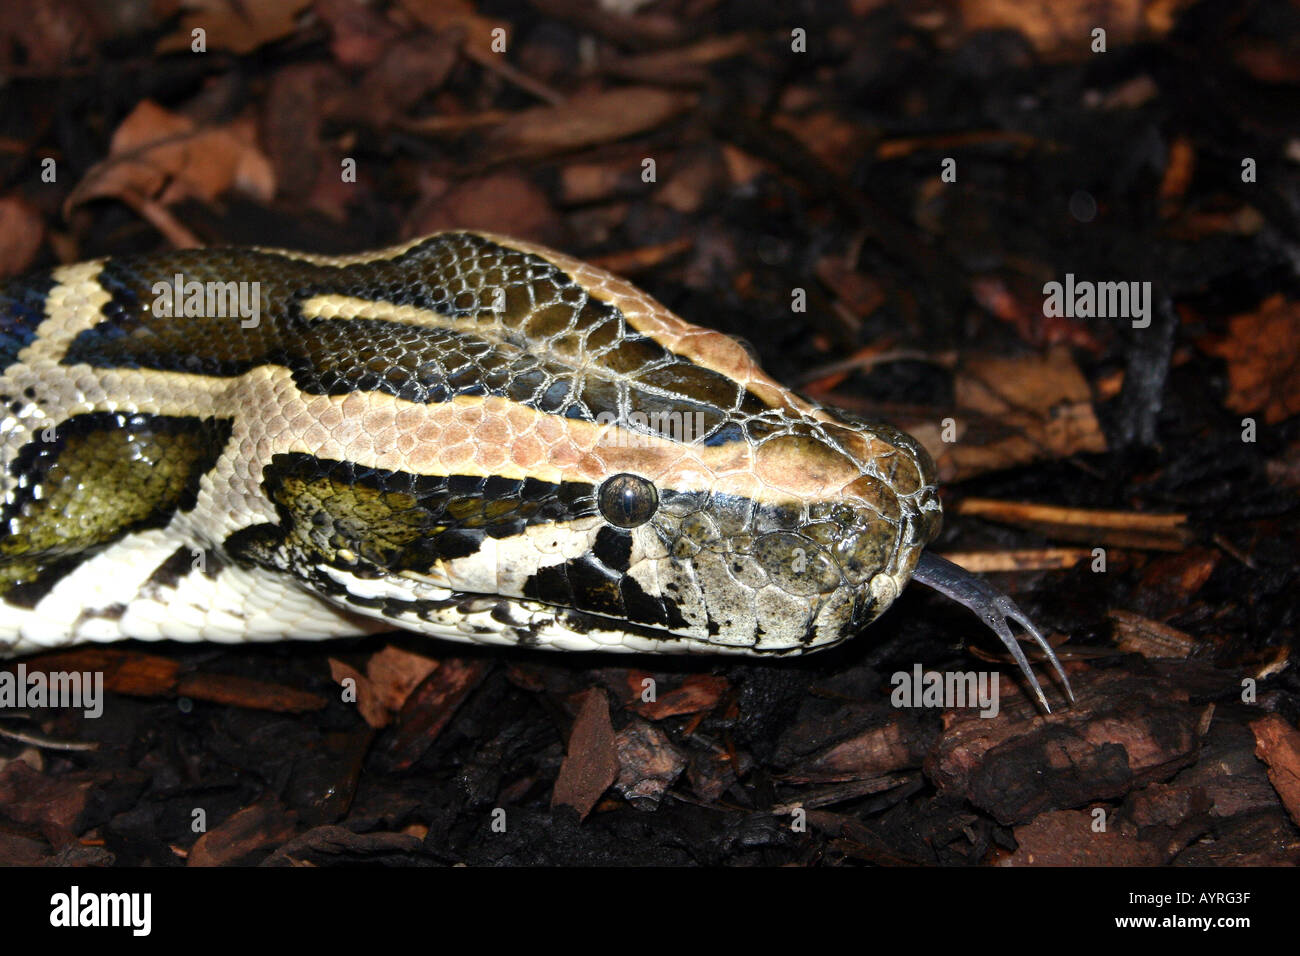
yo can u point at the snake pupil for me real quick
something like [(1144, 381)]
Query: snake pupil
[(627, 501)]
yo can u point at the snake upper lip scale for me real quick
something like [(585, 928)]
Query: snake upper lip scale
[(467, 435)]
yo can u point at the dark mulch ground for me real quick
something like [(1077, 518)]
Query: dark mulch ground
[(1171, 452)]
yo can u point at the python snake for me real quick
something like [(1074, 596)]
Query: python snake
[(468, 436)]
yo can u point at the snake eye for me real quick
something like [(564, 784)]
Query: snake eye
[(628, 500)]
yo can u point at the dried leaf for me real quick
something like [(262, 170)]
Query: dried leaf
[(1262, 350), (235, 25), (1027, 407), (291, 124), (360, 36), (826, 134), (585, 120), (505, 202), (410, 70), (157, 154)]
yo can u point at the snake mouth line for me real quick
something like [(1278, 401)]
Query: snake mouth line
[(532, 616)]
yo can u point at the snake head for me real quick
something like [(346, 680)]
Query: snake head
[(794, 543)]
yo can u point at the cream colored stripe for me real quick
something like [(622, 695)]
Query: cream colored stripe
[(704, 347), (351, 307), (473, 435), (64, 390), (73, 305), (470, 435), (332, 306), (373, 255)]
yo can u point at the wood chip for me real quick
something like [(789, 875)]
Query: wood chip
[(243, 833), (53, 804), (1025, 559), (247, 692), (370, 704), (1129, 529), (698, 692), (1121, 731), (898, 745), (396, 673), (125, 671), (429, 708), (591, 760), (1136, 634), (648, 763), (1278, 745), (1062, 32), (1069, 838), (326, 845)]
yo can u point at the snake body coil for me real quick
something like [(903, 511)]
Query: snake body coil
[(468, 436)]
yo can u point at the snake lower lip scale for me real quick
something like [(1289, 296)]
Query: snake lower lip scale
[(467, 436)]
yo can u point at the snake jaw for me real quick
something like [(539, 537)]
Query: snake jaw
[(993, 608)]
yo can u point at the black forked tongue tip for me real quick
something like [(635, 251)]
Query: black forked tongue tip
[(995, 609)]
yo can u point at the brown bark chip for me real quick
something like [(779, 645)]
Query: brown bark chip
[(591, 762), (1122, 731), (248, 830), (1278, 745)]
